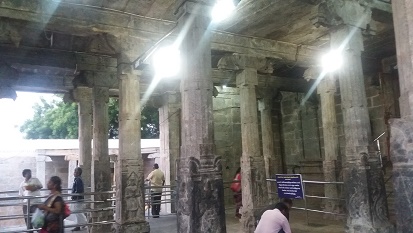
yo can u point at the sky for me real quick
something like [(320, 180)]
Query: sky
[(14, 113)]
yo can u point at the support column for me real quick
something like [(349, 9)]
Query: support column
[(364, 186), (272, 163), (101, 178), (200, 206), (401, 129), (83, 96), (130, 195), (169, 127), (326, 89), (253, 178)]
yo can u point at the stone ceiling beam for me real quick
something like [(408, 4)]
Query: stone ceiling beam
[(80, 20)]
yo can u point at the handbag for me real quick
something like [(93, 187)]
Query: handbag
[(236, 186), (66, 211), (38, 219)]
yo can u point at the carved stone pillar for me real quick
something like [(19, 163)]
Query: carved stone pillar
[(83, 95), (169, 127), (101, 178), (326, 89), (401, 129), (364, 186), (253, 176), (271, 161), (130, 202), (200, 206)]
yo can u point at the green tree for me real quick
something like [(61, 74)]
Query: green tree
[(59, 120)]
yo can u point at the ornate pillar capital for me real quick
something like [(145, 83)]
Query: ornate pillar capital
[(333, 13), (242, 62), (82, 93)]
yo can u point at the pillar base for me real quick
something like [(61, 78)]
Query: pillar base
[(136, 227), (368, 229)]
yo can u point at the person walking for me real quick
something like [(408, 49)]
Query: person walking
[(30, 187), (53, 207), (273, 221), (78, 188), (157, 179), (236, 188)]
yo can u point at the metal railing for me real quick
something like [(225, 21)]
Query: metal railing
[(16, 201), (306, 209)]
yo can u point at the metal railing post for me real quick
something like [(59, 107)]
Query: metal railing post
[(305, 204), (28, 214)]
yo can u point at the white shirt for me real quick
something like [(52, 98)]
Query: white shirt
[(24, 192), (272, 221), (156, 177)]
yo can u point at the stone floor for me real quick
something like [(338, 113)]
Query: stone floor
[(317, 224)]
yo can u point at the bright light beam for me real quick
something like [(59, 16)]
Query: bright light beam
[(167, 61), (332, 61), (222, 10)]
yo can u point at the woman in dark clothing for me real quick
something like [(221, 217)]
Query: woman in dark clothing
[(53, 207)]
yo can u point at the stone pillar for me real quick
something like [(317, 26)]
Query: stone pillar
[(130, 195), (70, 177), (364, 187), (326, 89), (83, 96), (401, 129), (271, 161), (253, 178), (101, 178), (169, 127), (200, 206)]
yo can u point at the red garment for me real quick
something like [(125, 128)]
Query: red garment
[(236, 186)]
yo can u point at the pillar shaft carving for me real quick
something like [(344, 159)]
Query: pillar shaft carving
[(101, 172), (401, 136), (169, 125), (365, 199), (200, 206), (130, 202), (83, 96), (273, 162), (253, 177), (326, 89)]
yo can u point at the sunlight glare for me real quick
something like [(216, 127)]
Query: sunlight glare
[(167, 61), (222, 10), (332, 61)]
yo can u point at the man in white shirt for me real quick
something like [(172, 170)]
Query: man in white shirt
[(272, 221), (30, 187), (157, 178)]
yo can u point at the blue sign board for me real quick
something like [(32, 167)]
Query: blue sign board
[(290, 186)]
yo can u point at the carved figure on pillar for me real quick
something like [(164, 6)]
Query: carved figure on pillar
[(347, 19), (401, 148), (130, 215), (200, 188)]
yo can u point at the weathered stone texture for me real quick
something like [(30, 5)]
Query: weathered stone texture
[(83, 95), (227, 134), (101, 173), (130, 205), (200, 206)]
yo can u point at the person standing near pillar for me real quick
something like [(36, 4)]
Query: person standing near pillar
[(29, 187), (157, 179), (78, 188)]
